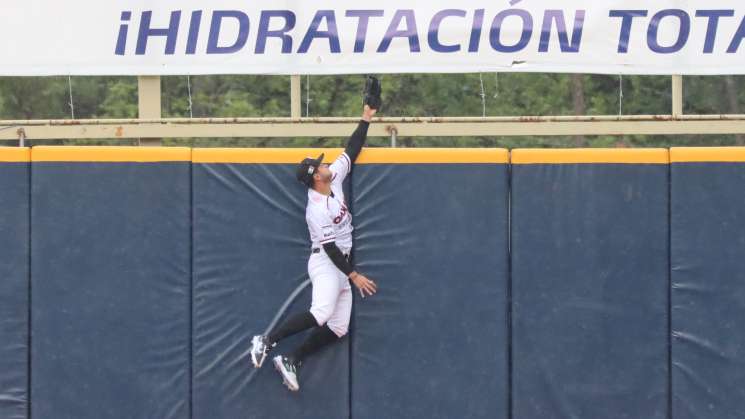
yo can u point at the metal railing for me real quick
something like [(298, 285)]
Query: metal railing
[(150, 125)]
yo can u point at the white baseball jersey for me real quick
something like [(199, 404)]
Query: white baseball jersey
[(328, 217), (329, 220)]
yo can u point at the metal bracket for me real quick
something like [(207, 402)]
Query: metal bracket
[(393, 131), (21, 137)]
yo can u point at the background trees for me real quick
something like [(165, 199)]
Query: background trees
[(508, 94)]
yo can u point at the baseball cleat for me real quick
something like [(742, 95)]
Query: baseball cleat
[(288, 370), (259, 350)]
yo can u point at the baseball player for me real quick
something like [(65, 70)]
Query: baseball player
[(329, 267)]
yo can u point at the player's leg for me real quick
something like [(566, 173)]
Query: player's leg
[(333, 323), (293, 325), (325, 293), (339, 321), (326, 288), (261, 345), (324, 299), (336, 327), (333, 330)]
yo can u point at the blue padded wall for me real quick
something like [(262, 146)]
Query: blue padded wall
[(110, 289), (432, 344), (14, 281), (251, 248), (149, 277), (589, 291), (708, 292)]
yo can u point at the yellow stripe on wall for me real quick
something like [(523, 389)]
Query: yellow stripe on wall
[(434, 155), (262, 155), (368, 155), (15, 154), (707, 154), (110, 154), (602, 155)]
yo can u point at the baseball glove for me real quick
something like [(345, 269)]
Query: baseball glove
[(372, 93)]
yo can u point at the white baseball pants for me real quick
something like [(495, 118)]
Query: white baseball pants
[(332, 294)]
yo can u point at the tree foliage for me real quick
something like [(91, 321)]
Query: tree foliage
[(490, 94)]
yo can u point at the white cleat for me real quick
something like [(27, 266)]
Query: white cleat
[(288, 370), (259, 350)]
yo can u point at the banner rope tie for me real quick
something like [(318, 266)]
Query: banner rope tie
[(71, 103), (496, 85), (483, 96), (620, 94), (191, 103), (307, 96)]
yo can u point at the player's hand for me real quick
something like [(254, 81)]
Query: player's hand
[(368, 113), (364, 284)]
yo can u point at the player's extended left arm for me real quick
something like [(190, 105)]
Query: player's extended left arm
[(359, 136), (364, 284), (337, 257)]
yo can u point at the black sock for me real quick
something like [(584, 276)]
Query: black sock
[(318, 338), (295, 324)]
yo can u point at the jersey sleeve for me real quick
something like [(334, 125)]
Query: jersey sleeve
[(340, 168), (321, 227)]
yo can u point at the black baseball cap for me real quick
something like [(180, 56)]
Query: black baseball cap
[(306, 169)]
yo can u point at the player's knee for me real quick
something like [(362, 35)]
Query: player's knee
[(321, 314), (340, 331)]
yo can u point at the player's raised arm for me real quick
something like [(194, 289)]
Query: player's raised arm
[(359, 136), (372, 104), (343, 164)]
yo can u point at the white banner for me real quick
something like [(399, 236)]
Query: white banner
[(157, 37)]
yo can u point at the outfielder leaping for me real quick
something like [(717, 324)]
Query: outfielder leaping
[(329, 268)]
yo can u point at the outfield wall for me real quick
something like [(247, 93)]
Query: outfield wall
[(14, 281), (545, 283), (590, 284), (110, 283), (708, 283)]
